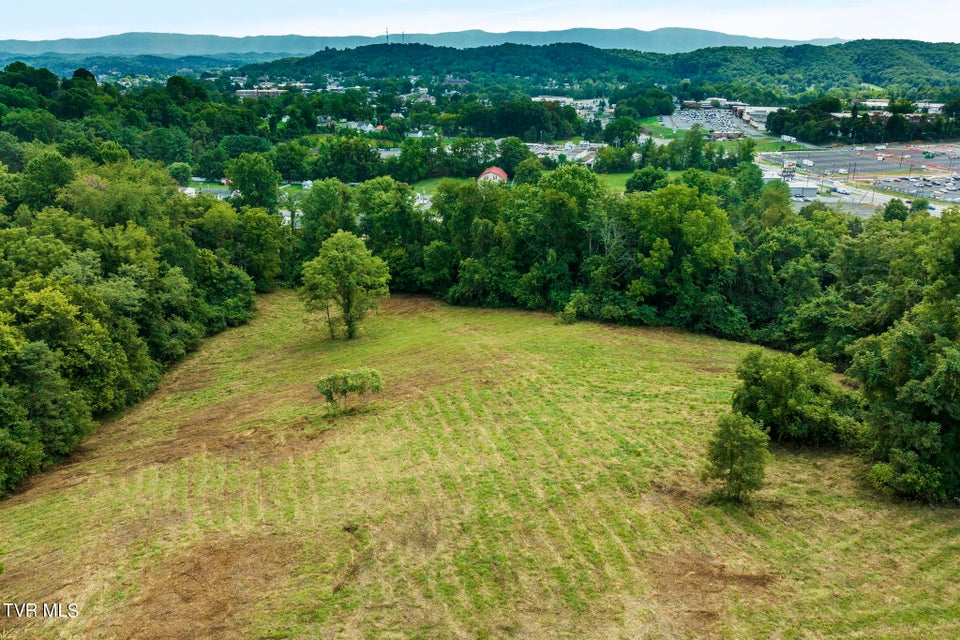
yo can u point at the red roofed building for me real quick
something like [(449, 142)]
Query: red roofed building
[(493, 174)]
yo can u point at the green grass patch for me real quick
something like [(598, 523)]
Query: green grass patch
[(429, 186), (614, 181), (516, 478), (657, 130), (618, 181), (767, 145)]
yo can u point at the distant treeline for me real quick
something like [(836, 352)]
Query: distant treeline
[(130, 66), (816, 123), (900, 68)]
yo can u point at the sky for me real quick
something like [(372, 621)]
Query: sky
[(931, 20)]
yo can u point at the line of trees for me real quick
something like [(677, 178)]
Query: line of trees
[(107, 274), (900, 67), (714, 252), (815, 123)]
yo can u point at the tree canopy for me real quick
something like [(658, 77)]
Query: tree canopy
[(346, 275)]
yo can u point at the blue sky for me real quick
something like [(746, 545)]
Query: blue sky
[(933, 20)]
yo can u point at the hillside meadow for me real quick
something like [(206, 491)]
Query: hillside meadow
[(516, 479)]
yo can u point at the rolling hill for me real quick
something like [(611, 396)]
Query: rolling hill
[(517, 478), (668, 40), (913, 67)]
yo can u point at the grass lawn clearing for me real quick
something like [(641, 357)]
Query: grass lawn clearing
[(429, 186), (516, 478)]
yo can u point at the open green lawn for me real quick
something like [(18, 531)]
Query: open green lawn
[(618, 181), (429, 186), (768, 145), (517, 478), (657, 130), (614, 181)]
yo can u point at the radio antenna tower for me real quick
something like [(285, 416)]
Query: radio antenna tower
[(388, 35)]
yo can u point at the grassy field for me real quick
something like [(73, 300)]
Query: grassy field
[(618, 181), (429, 186), (614, 181), (516, 479), (768, 145), (657, 130)]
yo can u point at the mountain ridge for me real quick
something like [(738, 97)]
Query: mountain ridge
[(663, 40)]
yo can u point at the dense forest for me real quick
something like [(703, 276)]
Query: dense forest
[(767, 75), (120, 66), (108, 273)]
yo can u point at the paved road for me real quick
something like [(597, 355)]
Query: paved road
[(861, 199)]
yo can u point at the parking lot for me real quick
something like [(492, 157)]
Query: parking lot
[(927, 171), (932, 188), (865, 162), (709, 119)]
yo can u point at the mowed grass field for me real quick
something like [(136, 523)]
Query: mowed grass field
[(618, 181), (516, 479)]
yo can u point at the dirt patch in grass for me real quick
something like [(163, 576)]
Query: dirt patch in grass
[(237, 428), (712, 369), (689, 593), (398, 305), (676, 493), (68, 473), (208, 589)]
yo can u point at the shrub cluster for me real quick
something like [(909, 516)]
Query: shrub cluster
[(337, 386), (795, 398)]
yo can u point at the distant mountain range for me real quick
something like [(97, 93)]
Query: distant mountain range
[(669, 40)]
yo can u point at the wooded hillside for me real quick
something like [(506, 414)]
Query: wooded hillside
[(904, 67)]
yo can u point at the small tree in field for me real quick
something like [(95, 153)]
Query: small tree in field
[(337, 386), (736, 456), (347, 275)]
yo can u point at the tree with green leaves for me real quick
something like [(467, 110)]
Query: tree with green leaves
[(919, 205), (181, 172), (337, 386), (794, 398), (624, 130), (910, 375), (647, 179), (43, 177), (328, 206), (258, 247), (345, 275), (529, 171), (685, 246), (291, 160), (513, 151), (895, 210), (254, 175), (349, 158), (737, 457)]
